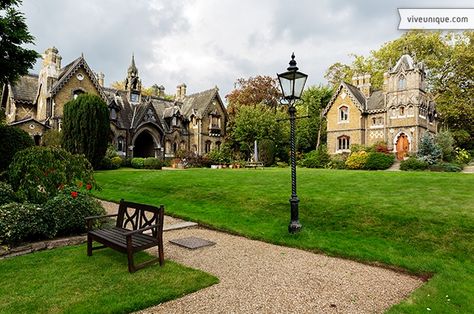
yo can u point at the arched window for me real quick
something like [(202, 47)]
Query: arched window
[(120, 144), (402, 111), (402, 82), (76, 93), (113, 114), (343, 113), (343, 142)]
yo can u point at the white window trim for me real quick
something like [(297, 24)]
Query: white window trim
[(339, 114)]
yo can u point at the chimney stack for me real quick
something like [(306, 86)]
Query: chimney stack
[(100, 78), (362, 82)]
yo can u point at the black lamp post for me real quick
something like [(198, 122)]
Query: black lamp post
[(292, 85)]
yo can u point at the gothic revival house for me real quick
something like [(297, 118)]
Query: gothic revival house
[(142, 126), (398, 115)]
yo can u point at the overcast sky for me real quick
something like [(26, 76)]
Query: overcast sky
[(204, 43)]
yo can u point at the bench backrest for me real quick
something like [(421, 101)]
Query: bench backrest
[(134, 216)]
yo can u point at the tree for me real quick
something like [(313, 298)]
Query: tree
[(254, 91), (448, 58), (258, 123), (310, 130), (12, 140), (86, 127), (14, 60), (119, 85)]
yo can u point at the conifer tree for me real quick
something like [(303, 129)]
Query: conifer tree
[(86, 127)]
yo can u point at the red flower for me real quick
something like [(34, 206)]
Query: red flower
[(88, 186), (74, 194)]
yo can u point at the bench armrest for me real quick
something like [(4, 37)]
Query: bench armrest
[(130, 233)]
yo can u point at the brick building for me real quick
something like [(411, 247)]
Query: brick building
[(142, 126), (398, 115)]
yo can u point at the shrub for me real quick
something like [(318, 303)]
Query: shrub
[(12, 140), (428, 150), (24, 222), (52, 138), (86, 127), (152, 163), (445, 142), (445, 167), (117, 162), (462, 156), (36, 173), (357, 160), (281, 164), (317, 158), (413, 163), (70, 208), (379, 161), (137, 163), (338, 161), (381, 147), (219, 156), (6, 194)]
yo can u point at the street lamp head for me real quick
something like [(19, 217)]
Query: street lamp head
[(292, 81)]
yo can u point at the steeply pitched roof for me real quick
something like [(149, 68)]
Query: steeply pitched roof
[(405, 62), (26, 89), (354, 93), (376, 102), (68, 71), (198, 103)]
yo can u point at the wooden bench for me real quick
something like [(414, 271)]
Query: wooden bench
[(138, 227), (254, 164)]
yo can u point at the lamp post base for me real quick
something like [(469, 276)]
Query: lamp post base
[(294, 225)]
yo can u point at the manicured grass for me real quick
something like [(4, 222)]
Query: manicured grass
[(421, 222), (66, 280)]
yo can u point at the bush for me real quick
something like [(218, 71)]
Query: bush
[(70, 208), (357, 160), (12, 140), (137, 163), (338, 161), (111, 163), (381, 147), (25, 222), (462, 156), (445, 167), (36, 173), (445, 142), (317, 158), (152, 163), (52, 138), (117, 162), (6, 194), (413, 163), (428, 151), (379, 161), (219, 156)]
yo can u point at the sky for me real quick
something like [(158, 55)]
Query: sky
[(207, 43)]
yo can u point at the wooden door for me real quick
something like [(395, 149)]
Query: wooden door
[(402, 146)]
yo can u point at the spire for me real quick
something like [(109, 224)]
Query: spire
[(133, 68)]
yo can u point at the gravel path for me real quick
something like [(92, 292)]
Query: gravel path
[(257, 277)]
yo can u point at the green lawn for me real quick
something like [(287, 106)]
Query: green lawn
[(66, 280), (421, 222)]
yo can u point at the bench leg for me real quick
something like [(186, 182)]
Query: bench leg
[(131, 265), (89, 245)]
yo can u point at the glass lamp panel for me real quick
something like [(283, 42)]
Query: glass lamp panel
[(300, 80), (286, 85)]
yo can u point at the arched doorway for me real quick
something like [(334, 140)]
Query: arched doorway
[(144, 145), (403, 146)]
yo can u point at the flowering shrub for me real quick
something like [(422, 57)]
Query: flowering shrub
[(462, 156), (6, 193), (37, 173), (357, 160), (70, 208), (23, 222)]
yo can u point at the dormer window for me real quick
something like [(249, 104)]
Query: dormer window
[(343, 114), (402, 82)]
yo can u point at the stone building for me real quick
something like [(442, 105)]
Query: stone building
[(142, 126), (398, 115)]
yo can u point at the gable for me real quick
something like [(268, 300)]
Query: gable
[(344, 91)]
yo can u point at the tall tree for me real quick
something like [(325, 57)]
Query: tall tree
[(14, 59), (311, 130), (448, 58), (86, 127), (253, 91)]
